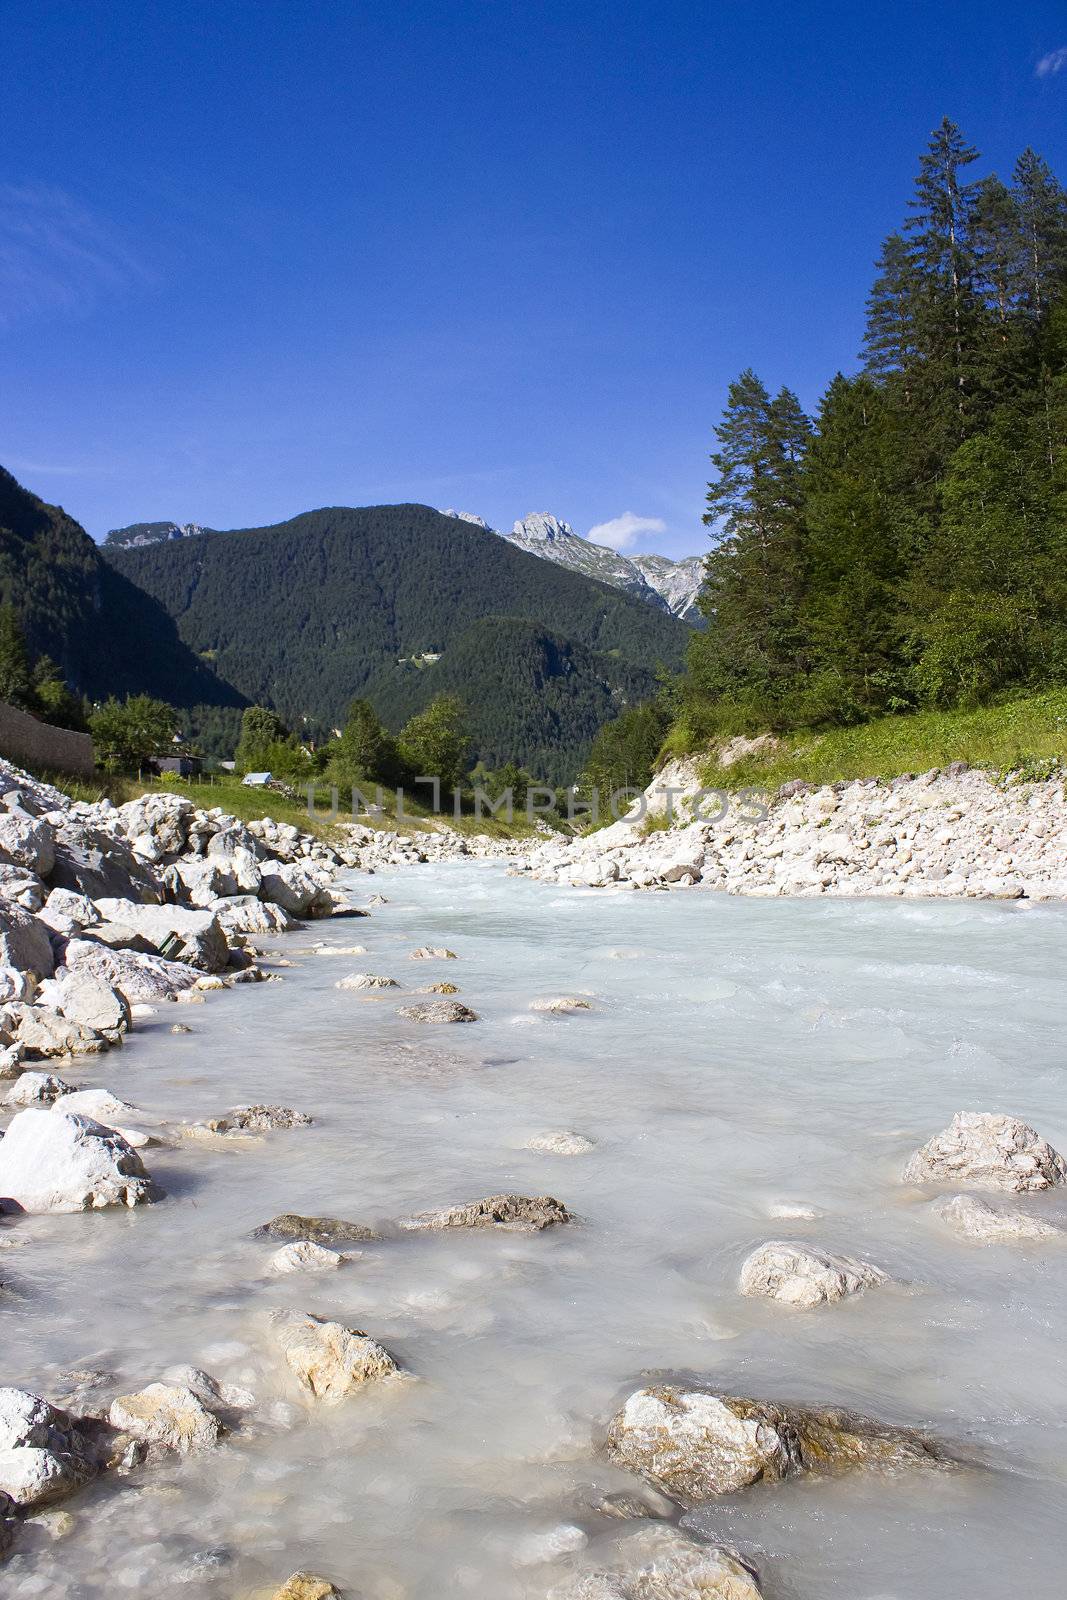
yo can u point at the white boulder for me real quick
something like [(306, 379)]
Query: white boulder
[(989, 1151), (58, 1161), (973, 1219), (43, 1452), (801, 1275)]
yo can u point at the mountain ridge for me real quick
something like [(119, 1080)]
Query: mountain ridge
[(307, 614)]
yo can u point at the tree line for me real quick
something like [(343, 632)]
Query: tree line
[(907, 546)]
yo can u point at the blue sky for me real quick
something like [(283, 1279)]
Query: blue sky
[(257, 259)]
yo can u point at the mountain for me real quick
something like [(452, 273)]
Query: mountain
[(139, 533), (107, 635), (668, 585), (398, 603)]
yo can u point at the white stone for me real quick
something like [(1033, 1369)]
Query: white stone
[(988, 1151), (304, 1256), (801, 1275), (561, 1143), (37, 1089), (972, 1218), (168, 1417), (55, 1161)]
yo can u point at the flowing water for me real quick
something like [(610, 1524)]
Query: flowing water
[(739, 1053)]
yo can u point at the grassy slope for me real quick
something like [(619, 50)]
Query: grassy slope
[(1027, 734), (230, 795)]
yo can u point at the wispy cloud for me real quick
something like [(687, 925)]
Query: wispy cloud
[(622, 533), (1054, 62), (56, 255)]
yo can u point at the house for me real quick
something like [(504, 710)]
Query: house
[(184, 766)]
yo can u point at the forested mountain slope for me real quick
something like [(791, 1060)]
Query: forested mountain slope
[(107, 635), (342, 602)]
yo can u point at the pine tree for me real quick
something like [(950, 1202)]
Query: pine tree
[(16, 678), (755, 577), (942, 248), (891, 341), (1042, 211)]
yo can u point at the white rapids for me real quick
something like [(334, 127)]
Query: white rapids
[(747, 1070)]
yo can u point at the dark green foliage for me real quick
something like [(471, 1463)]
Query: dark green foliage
[(16, 674), (913, 550), (366, 752), (436, 743), (341, 603), (624, 754), (106, 635), (127, 734)]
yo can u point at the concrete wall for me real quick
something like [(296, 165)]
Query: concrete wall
[(29, 743)]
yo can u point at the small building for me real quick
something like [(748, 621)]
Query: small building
[(257, 780), (183, 766)]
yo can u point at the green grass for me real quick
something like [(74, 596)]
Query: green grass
[(1027, 735), (248, 804)]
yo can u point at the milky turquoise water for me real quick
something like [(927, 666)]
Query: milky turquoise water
[(738, 1054)]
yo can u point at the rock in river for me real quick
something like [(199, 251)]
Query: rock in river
[(44, 1452), (328, 1358), (304, 1256), (654, 1562), (430, 952), (989, 1151), (515, 1212), (562, 1005), (320, 1230), (305, 1586), (166, 1416), (801, 1275), (366, 980), (695, 1444), (438, 1011), (563, 1142), (972, 1218), (57, 1161)]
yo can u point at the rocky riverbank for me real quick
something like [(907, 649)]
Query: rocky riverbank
[(943, 834)]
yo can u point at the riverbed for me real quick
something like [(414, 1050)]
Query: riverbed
[(738, 1054)]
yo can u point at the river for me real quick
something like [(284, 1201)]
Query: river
[(738, 1054)]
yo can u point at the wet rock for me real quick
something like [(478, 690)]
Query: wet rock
[(366, 980), (330, 1360), (561, 1005), (166, 1417), (257, 1119), (304, 1256), (550, 1544), (438, 1011), (990, 1151), (514, 1212), (793, 1211), (44, 1452), (623, 1506), (430, 952), (695, 1444), (972, 1218), (801, 1275), (37, 1089), (180, 1027), (661, 1563), (563, 1142), (214, 1395), (305, 1586), (319, 1230), (439, 988), (55, 1161), (24, 941)]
